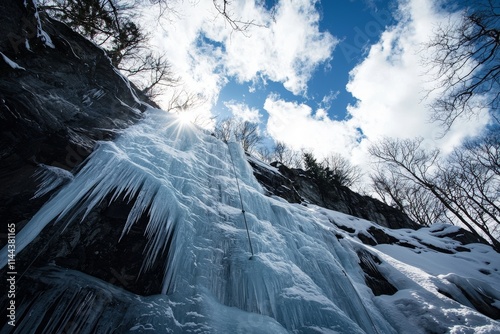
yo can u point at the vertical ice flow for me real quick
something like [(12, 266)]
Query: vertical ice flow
[(182, 177)]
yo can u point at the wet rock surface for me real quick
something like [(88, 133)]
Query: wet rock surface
[(374, 279)]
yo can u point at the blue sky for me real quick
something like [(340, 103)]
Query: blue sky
[(325, 76), (357, 24)]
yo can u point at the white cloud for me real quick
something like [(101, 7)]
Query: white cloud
[(205, 51), (287, 51), (390, 83), (244, 112), (326, 102), (177, 37), (302, 128), (390, 86)]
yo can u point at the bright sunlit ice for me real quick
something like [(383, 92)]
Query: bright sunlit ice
[(185, 118)]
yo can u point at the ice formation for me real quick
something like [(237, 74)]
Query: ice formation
[(11, 63), (304, 277)]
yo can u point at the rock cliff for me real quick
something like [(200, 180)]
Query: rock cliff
[(297, 187), (59, 94)]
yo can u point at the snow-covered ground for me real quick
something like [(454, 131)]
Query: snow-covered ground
[(304, 277)]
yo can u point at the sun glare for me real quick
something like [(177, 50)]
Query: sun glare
[(185, 118), (182, 121)]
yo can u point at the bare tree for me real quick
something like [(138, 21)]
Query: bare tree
[(224, 8), (110, 24), (224, 129), (407, 196), (474, 185), (287, 156), (264, 153), (389, 188), (280, 149), (247, 134), (182, 100), (244, 132), (151, 72), (237, 24), (341, 170), (409, 162), (466, 57), (487, 150)]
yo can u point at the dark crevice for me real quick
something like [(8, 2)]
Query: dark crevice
[(373, 277)]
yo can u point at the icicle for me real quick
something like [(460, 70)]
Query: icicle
[(50, 178)]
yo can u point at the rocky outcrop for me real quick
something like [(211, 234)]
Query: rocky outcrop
[(59, 94), (91, 246), (296, 186), (374, 279)]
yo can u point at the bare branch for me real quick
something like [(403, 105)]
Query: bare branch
[(239, 25), (244, 132), (465, 56), (466, 185)]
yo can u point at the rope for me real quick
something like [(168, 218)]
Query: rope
[(357, 295), (241, 201)]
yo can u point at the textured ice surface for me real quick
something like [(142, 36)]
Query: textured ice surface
[(50, 178), (302, 278)]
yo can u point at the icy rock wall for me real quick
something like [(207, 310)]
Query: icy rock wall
[(59, 94), (184, 179)]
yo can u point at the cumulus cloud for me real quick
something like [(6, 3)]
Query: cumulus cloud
[(283, 45), (390, 84), (301, 127), (244, 112), (287, 51), (287, 46), (326, 101)]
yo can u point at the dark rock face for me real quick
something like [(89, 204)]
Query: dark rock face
[(463, 236), (296, 186), (377, 236), (54, 109), (275, 183), (64, 98), (95, 246), (373, 277)]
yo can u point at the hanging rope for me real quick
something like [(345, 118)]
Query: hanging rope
[(374, 327), (241, 201)]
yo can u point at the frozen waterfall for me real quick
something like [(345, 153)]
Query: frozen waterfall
[(302, 279)]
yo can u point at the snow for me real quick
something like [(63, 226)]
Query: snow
[(40, 33), (11, 63), (263, 165), (304, 277)]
